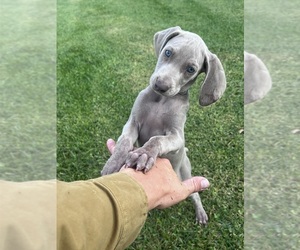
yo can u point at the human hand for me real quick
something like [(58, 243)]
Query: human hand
[(161, 184)]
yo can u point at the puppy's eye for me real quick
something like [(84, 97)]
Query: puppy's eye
[(168, 53), (190, 69)]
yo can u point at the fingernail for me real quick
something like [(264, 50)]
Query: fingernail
[(204, 184)]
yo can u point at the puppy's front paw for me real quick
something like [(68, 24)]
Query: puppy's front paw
[(141, 159), (107, 169), (112, 166)]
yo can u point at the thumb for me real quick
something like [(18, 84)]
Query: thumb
[(196, 184), (111, 145)]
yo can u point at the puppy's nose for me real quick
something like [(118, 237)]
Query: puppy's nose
[(160, 86)]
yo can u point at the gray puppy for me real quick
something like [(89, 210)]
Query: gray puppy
[(157, 119)]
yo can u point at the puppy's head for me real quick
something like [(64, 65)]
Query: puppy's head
[(182, 56)]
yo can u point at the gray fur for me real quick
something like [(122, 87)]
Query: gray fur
[(157, 119)]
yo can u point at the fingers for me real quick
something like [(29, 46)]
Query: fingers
[(111, 145), (196, 184)]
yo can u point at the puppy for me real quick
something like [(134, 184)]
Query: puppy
[(156, 122)]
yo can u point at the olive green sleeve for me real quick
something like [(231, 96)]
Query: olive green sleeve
[(28, 215), (103, 213)]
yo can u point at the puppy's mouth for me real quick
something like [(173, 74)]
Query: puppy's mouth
[(163, 90), (168, 93)]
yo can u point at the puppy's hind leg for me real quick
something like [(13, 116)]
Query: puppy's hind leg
[(185, 172)]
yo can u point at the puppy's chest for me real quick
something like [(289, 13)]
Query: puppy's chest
[(154, 120)]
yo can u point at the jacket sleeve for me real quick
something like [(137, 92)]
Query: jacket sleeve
[(103, 213), (28, 215)]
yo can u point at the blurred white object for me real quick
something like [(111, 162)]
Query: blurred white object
[(257, 79)]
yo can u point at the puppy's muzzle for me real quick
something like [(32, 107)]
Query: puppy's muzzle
[(160, 86)]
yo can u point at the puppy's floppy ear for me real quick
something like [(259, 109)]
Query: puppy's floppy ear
[(257, 79), (214, 83), (162, 37)]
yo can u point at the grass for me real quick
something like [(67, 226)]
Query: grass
[(27, 91), (271, 148), (105, 57)]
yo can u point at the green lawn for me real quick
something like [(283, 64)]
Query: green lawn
[(105, 57), (27, 90), (272, 149)]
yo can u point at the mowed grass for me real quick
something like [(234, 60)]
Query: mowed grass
[(27, 90), (272, 143), (105, 57)]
